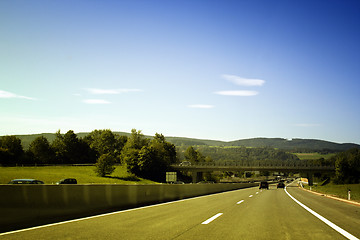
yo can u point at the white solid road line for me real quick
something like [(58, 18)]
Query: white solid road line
[(330, 224), (212, 218), (240, 202)]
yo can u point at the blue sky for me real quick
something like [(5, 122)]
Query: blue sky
[(222, 70)]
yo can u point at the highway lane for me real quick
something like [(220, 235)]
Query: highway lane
[(242, 214)]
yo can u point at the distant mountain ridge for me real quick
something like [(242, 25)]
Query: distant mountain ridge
[(280, 143), (296, 143)]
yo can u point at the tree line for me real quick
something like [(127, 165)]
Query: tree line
[(151, 158), (143, 157)]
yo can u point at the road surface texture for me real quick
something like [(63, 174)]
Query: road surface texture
[(242, 214)]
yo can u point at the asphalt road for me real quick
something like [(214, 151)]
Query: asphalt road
[(242, 214)]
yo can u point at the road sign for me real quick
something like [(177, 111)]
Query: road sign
[(171, 177)]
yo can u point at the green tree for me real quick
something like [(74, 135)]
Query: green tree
[(148, 163), (5, 156), (136, 140), (120, 142), (347, 166), (191, 155), (11, 149), (102, 141), (41, 151), (71, 142), (208, 159), (166, 151), (70, 149), (131, 150), (155, 159), (59, 147), (195, 156), (148, 159), (130, 158), (105, 165)]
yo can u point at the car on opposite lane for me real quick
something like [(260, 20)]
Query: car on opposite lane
[(67, 181), (25, 181)]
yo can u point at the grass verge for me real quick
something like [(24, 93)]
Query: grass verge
[(83, 174), (340, 191), (313, 156)]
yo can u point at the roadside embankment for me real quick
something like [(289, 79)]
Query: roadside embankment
[(30, 205), (349, 193)]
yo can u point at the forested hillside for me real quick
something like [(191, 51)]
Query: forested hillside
[(243, 154)]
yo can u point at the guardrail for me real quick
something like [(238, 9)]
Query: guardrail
[(29, 205)]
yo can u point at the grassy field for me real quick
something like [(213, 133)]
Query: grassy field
[(340, 191), (83, 174), (312, 156)]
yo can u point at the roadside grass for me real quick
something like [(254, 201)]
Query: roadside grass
[(314, 156), (340, 191), (83, 174)]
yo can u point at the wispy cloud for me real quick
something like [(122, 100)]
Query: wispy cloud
[(5, 94), (243, 81), (241, 93), (306, 125), (96, 101), (204, 106), (112, 91)]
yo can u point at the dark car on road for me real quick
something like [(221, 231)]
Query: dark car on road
[(26, 181), (264, 185), (67, 181), (280, 185)]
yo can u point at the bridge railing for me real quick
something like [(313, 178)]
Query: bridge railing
[(257, 165)]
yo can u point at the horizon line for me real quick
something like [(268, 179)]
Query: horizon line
[(206, 139)]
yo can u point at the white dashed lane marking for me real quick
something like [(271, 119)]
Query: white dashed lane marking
[(212, 218)]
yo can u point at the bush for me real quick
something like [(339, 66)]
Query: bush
[(105, 165)]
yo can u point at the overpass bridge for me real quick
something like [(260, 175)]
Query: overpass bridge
[(198, 168)]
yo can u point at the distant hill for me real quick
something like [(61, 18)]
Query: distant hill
[(178, 141), (295, 143), (279, 143)]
